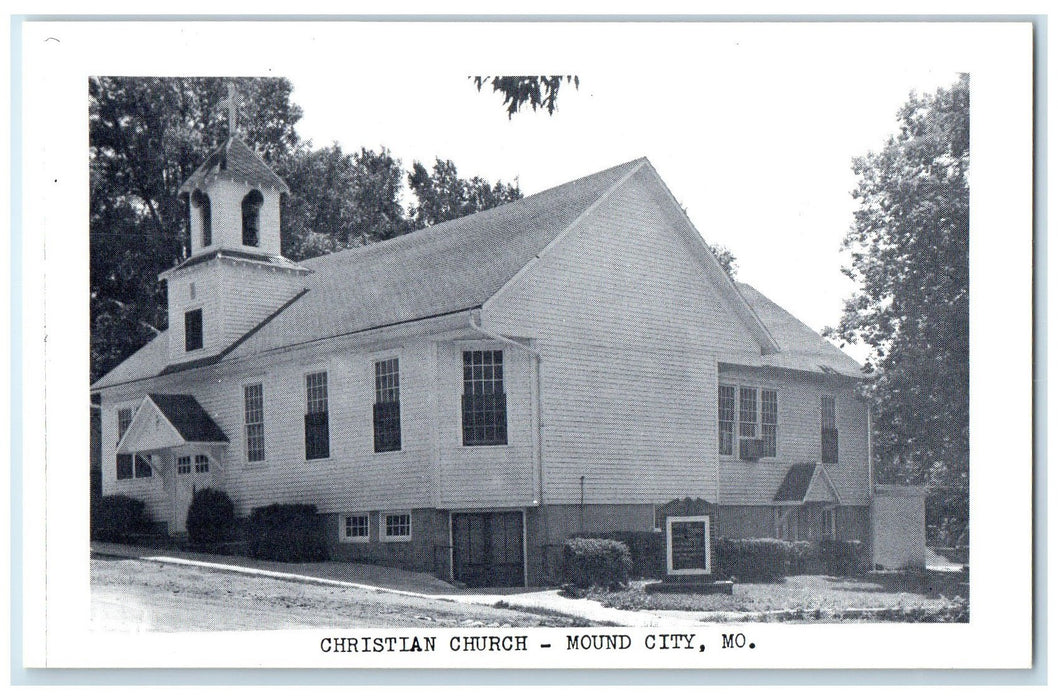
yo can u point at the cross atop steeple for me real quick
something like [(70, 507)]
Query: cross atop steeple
[(231, 103)]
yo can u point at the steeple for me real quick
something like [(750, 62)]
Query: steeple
[(236, 274)]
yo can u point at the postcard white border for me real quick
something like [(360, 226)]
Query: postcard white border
[(58, 57)]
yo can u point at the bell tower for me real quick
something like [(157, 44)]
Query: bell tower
[(236, 275)]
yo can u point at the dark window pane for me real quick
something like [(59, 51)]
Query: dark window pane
[(193, 330), (124, 466)]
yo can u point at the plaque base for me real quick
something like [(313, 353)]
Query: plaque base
[(690, 584)]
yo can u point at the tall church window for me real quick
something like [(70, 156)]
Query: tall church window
[(251, 217), (200, 201), (484, 400)]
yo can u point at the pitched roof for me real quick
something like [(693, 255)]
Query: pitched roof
[(800, 347), (445, 268), (188, 417), (795, 484), (236, 161)]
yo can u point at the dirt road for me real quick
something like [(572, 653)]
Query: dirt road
[(130, 594)]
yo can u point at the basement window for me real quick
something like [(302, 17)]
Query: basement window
[(354, 528), (396, 527)]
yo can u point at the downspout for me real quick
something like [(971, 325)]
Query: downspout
[(870, 484), (537, 437)]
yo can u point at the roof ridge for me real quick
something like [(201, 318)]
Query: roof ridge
[(410, 237)]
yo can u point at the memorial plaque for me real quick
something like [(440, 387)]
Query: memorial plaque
[(688, 545)]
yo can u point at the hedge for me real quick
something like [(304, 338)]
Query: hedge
[(596, 562), (647, 549), (843, 557), (763, 559), (210, 518), (287, 532), (119, 518)]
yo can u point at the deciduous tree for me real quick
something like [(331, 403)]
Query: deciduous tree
[(909, 258)]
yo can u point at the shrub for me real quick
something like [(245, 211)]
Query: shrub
[(647, 549), (804, 558), (211, 517), (118, 518), (843, 557), (596, 562), (761, 559), (287, 532)]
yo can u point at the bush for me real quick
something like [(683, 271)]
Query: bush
[(760, 560), (804, 558), (119, 518), (596, 562), (843, 557), (287, 532), (211, 517), (647, 549)]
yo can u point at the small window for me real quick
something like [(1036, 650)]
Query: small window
[(251, 218), (396, 527), (183, 465), (143, 467), (769, 421), (354, 528), (193, 330), (828, 429), (758, 421), (200, 200), (387, 405), (253, 398), (124, 462), (830, 524), (124, 467), (726, 411), (484, 400), (201, 464), (317, 427)]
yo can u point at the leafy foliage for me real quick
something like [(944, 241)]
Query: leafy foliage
[(537, 91), (147, 135), (758, 559), (119, 518), (442, 195), (909, 256), (596, 562), (210, 517), (287, 532), (725, 257)]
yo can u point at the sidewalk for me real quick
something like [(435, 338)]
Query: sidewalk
[(369, 577)]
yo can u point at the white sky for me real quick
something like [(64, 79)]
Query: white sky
[(753, 127)]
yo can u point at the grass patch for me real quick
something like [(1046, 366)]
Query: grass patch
[(807, 598)]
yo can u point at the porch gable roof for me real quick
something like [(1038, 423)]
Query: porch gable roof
[(169, 420)]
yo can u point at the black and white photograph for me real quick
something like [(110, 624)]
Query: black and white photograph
[(661, 357)]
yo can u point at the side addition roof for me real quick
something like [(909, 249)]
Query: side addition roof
[(235, 161), (800, 347)]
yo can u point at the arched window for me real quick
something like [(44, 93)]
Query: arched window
[(200, 201), (251, 217)]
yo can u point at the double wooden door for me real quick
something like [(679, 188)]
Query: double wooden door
[(488, 549)]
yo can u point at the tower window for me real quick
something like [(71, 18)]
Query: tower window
[(193, 330), (200, 200), (251, 217)]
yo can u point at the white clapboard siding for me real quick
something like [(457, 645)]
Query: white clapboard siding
[(251, 294), (628, 327), (354, 477), (488, 475), (151, 491), (798, 438)]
